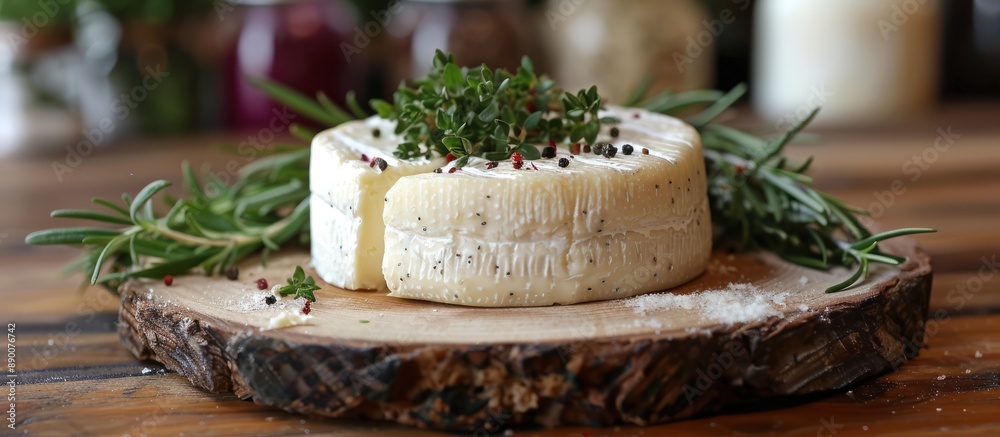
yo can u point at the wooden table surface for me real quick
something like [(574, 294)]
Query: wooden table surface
[(74, 378)]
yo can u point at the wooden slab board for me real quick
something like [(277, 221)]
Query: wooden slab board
[(463, 368)]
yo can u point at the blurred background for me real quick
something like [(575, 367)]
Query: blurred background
[(101, 97), (99, 71)]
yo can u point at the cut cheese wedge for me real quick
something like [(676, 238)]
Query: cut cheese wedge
[(600, 228), (348, 196)]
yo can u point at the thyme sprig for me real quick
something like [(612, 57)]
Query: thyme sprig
[(300, 285), (490, 113), (762, 201)]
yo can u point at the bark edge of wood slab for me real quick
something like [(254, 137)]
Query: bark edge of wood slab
[(627, 374)]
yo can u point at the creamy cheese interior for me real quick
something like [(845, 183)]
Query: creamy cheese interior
[(348, 197)]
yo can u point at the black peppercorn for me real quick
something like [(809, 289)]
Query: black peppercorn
[(380, 163), (233, 273), (586, 148), (627, 149), (491, 165), (563, 162), (376, 132), (599, 148), (615, 132), (437, 170), (549, 152), (270, 299), (610, 151)]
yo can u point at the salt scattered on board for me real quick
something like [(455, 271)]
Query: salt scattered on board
[(248, 302), (737, 303)]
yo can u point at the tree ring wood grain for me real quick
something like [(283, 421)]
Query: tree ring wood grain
[(460, 368)]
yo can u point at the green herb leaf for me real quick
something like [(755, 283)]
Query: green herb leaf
[(90, 215), (529, 152), (67, 235), (300, 103), (144, 196), (300, 285), (452, 76)]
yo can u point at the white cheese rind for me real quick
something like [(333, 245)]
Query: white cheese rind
[(599, 229), (348, 196)]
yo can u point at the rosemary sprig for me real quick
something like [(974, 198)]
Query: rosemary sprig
[(763, 202), (490, 113), (211, 228)]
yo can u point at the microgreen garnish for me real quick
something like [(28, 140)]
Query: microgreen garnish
[(761, 201), (490, 113), (300, 285)]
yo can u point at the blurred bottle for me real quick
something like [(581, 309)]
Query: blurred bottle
[(972, 49), (618, 44), (475, 31), (863, 61), (733, 47), (308, 45)]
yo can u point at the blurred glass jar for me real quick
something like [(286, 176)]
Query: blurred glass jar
[(618, 44), (493, 32), (296, 43), (39, 69), (863, 61)]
